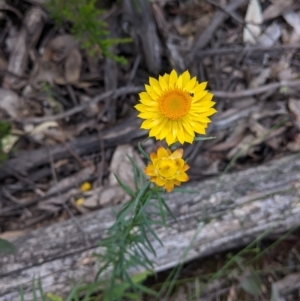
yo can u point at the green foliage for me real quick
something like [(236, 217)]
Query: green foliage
[(87, 26), (5, 128), (128, 245)]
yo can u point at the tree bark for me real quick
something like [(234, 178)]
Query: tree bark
[(225, 213)]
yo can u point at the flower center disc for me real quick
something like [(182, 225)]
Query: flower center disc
[(167, 168), (174, 104)]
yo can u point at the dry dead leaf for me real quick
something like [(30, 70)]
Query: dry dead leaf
[(102, 196), (72, 181), (232, 294), (58, 48), (3, 61), (294, 107), (262, 134), (288, 284), (11, 103), (235, 138), (242, 148), (282, 69), (39, 132), (293, 19), (121, 166), (261, 78), (294, 146), (8, 142), (44, 72), (73, 66), (271, 35), (276, 9), (253, 20)]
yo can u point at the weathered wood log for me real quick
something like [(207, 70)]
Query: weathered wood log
[(225, 213)]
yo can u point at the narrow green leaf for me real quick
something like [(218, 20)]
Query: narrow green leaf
[(34, 291), (162, 200), (42, 291), (152, 232), (6, 246), (251, 283), (140, 277), (140, 194), (21, 293), (146, 290), (125, 187), (143, 152), (73, 292), (53, 297), (203, 138)]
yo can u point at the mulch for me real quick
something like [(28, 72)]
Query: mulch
[(70, 111)]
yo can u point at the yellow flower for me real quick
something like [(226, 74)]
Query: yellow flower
[(167, 169), (85, 186), (175, 107)]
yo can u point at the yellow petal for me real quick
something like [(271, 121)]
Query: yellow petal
[(153, 156), (198, 128), (182, 177), (177, 183), (169, 186), (160, 181), (167, 78), (163, 83), (150, 171), (155, 131), (154, 83), (199, 109), (179, 82), (148, 124), (185, 167), (201, 87), (177, 154), (210, 112), (180, 163), (173, 78), (207, 97), (148, 102), (188, 138), (145, 95), (163, 133), (141, 107), (185, 77), (169, 138), (153, 179), (174, 128), (207, 104), (148, 115), (199, 96), (151, 92), (187, 127), (190, 85), (180, 134), (162, 152)]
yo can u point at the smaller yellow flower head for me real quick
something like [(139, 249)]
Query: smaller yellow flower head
[(85, 186), (167, 169)]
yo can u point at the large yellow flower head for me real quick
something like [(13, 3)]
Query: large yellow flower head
[(175, 107), (167, 169)]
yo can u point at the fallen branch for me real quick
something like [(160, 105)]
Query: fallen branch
[(225, 213)]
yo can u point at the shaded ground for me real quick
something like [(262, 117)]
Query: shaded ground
[(71, 112)]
